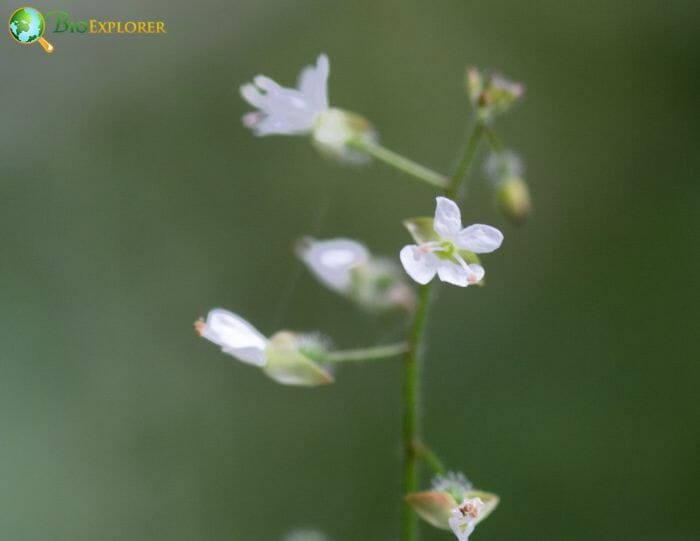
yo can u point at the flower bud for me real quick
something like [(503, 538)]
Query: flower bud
[(490, 93), (513, 199), (288, 363), (505, 170), (334, 131)]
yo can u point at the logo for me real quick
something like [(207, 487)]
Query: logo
[(27, 25)]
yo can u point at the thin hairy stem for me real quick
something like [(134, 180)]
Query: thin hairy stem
[(411, 397), (366, 354), (411, 388), (403, 164)]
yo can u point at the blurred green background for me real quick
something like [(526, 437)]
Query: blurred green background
[(133, 201)]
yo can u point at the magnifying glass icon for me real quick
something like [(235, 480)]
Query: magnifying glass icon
[(27, 26)]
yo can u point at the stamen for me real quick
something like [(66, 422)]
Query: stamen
[(199, 327)]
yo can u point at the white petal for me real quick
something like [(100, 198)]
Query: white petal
[(480, 239), (288, 111), (249, 355), (252, 95), (420, 265), (477, 273), (332, 260), (235, 336), (313, 83), (448, 220), (453, 273), (461, 527)]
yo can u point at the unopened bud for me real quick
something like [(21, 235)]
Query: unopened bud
[(513, 199)]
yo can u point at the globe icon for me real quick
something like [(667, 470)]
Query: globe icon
[(27, 26)]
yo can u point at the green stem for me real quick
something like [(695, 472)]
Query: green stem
[(430, 458), (400, 162), (467, 158), (493, 140), (411, 391), (365, 354), (411, 397)]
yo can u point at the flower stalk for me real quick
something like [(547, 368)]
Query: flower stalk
[(412, 366), (468, 156), (403, 164), (377, 353)]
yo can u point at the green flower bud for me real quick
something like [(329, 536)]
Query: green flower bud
[(505, 170), (288, 361), (513, 199)]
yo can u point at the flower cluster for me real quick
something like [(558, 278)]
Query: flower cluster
[(442, 247)]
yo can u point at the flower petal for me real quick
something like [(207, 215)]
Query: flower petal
[(453, 273), (448, 220), (420, 265), (461, 527), (236, 336), (249, 355), (313, 83), (477, 273), (480, 239), (332, 261), (288, 111)]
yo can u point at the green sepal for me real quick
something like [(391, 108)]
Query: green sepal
[(470, 257), (287, 365), (433, 506), (421, 229)]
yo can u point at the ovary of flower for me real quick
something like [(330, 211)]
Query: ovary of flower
[(288, 111), (422, 262), (235, 335), (463, 519), (333, 260)]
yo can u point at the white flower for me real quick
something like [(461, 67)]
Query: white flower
[(288, 111), (305, 110), (235, 335), (464, 518), (333, 260), (442, 255)]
